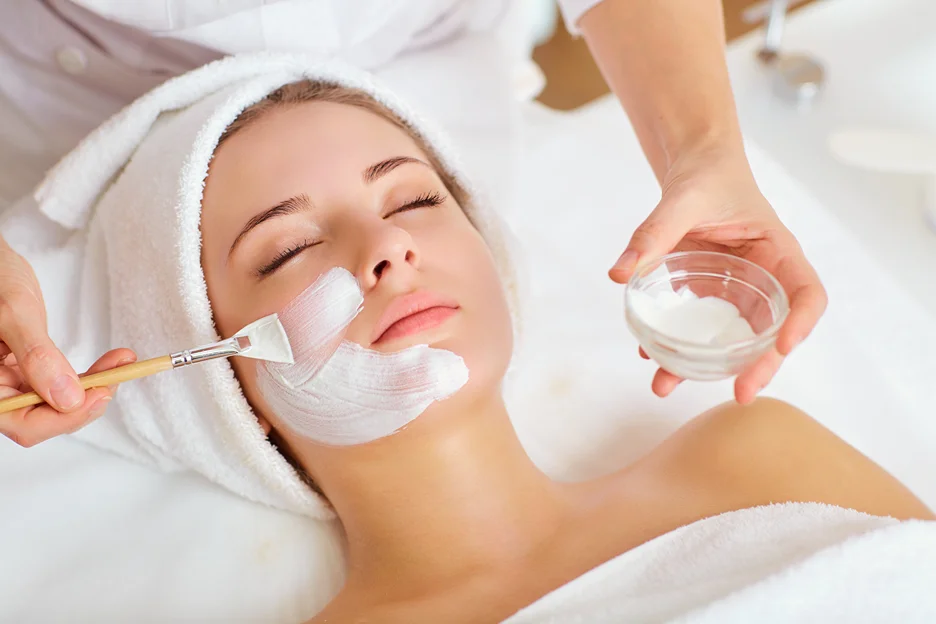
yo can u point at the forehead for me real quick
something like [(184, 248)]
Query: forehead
[(313, 132), (319, 147)]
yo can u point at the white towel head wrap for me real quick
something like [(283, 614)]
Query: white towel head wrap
[(131, 195)]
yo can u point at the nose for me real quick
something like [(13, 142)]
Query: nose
[(388, 254)]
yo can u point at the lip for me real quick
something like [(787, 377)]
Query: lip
[(413, 313)]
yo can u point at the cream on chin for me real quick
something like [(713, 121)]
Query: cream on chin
[(340, 393)]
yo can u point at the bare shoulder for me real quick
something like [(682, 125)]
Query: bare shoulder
[(771, 451)]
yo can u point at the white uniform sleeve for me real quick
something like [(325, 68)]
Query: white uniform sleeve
[(366, 33), (573, 10)]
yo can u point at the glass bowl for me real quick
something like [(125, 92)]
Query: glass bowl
[(676, 345)]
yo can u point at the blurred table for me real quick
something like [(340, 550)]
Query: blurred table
[(880, 62)]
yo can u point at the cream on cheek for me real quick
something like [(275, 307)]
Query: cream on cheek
[(356, 395)]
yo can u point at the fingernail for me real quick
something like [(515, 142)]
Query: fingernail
[(125, 361), (627, 261), (66, 392), (99, 407)]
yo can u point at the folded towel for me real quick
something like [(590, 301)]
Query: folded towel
[(128, 271), (795, 562)]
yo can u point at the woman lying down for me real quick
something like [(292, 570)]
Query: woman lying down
[(323, 192)]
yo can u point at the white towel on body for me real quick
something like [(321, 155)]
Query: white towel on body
[(795, 562), (126, 268)]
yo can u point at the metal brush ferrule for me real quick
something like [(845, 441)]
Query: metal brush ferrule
[(224, 348)]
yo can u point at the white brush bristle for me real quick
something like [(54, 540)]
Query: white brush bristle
[(268, 340)]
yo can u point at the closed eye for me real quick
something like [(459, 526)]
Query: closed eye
[(283, 257), (426, 200)]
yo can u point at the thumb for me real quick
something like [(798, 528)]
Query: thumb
[(656, 236), (43, 366)]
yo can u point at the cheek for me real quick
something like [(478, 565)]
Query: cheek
[(489, 294), (486, 339), (495, 324)]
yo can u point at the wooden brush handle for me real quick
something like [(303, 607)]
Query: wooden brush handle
[(97, 380)]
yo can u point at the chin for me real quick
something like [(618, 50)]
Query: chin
[(486, 366)]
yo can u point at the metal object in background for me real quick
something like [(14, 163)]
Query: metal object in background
[(797, 78), (758, 12)]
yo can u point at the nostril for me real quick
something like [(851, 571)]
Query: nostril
[(380, 268)]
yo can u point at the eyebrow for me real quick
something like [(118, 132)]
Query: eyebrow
[(290, 206), (377, 171)]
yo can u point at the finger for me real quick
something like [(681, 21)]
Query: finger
[(10, 377), (750, 383), (642, 353), (808, 299), (112, 359), (657, 235), (43, 366), (807, 305), (32, 425), (664, 383), (4, 350)]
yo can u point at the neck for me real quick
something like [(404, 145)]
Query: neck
[(452, 494)]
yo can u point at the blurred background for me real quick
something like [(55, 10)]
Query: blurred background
[(573, 79), (839, 93)]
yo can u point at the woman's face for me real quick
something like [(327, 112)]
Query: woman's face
[(319, 185)]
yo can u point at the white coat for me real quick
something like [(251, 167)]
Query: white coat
[(66, 65)]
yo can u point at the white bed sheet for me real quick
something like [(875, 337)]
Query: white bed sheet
[(92, 538)]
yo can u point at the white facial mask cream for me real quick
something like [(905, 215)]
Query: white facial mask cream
[(688, 317), (350, 395)]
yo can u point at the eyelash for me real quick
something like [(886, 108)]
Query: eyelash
[(426, 200), (283, 257)]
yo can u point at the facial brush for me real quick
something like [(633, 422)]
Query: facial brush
[(264, 339)]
